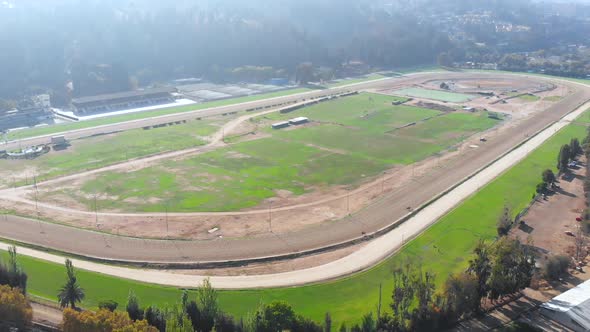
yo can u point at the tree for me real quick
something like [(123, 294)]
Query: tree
[(327, 322), (193, 313), (342, 327), (563, 158), (556, 267), (403, 297), (207, 298), (15, 309), (278, 316), (512, 267), (70, 293), (304, 73), (461, 295), (504, 222), (133, 309), (155, 317), (224, 323), (575, 147), (177, 319), (541, 187), (368, 323), (109, 305), (480, 267), (444, 59), (549, 177), (11, 273)]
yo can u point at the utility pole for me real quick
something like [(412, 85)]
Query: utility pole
[(270, 216), (95, 211), (348, 203)]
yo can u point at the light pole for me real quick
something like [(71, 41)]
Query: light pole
[(270, 216), (95, 211)]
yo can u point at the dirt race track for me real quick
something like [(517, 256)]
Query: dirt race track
[(360, 226)]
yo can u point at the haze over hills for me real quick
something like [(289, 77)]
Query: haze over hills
[(109, 46)]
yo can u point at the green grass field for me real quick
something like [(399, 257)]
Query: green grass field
[(100, 151), (350, 140), (52, 129), (553, 98), (529, 98), (450, 97), (444, 249)]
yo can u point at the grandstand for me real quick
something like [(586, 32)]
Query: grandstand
[(122, 101)]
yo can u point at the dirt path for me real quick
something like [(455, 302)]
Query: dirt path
[(46, 315), (365, 257)]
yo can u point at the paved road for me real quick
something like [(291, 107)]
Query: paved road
[(377, 216), (367, 256)]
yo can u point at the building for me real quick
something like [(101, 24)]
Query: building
[(30, 112), (298, 121), (280, 125), (570, 309), (122, 101)]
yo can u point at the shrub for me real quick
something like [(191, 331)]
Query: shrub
[(15, 310), (556, 266), (103, 320), (109, 305)]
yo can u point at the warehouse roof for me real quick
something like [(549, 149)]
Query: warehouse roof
[(571, 306)]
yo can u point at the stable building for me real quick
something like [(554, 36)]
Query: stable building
[(280, 125), (122, 101), (299, 121)]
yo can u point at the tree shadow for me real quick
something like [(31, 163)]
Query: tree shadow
[(563, 192)]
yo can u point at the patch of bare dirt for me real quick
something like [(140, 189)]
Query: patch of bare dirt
[(548, 220)]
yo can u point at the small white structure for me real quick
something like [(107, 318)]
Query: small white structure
[(571, 309), (298, 121)]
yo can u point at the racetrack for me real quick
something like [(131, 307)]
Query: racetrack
[(365, 257), (378, 216)]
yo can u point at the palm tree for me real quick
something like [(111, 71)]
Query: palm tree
[(71, 292)]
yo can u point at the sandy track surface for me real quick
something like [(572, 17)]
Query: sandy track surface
[(364, 258)]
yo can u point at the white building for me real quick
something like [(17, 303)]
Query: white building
[(570, 309)]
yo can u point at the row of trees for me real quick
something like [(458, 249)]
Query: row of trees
[(497, 269)]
